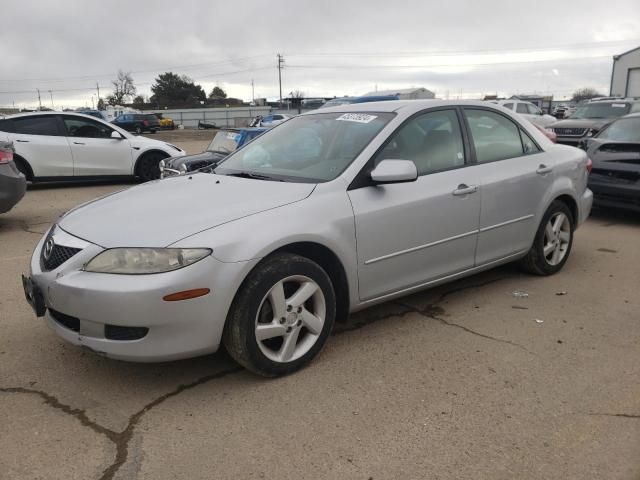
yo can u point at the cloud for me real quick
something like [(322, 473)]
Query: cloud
[(330, 47)]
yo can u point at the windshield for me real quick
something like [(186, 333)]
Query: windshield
[(623, 130), (312, 148), (224, 141), (601, 110)]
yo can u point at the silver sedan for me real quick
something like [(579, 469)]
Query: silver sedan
[(328, 213)]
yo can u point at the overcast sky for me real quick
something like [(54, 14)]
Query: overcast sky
[(331, 48)]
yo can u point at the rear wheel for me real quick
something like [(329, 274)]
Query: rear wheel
[(281, 316), (553, 241), (149, 166)]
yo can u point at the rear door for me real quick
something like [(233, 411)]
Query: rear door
[(94, 151), (40, 140), (514, 175), (409, 234)]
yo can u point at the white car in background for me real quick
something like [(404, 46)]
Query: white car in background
[(56, 146), (529, 111)]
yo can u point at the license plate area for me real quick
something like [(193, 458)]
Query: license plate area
[(34, 296)]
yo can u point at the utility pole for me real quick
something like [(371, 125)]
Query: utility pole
[(98, 88), (253, 95), (280, 63), (51, 95), (39, 101)]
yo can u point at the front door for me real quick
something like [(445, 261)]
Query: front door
[(411, 233), (94, 151)]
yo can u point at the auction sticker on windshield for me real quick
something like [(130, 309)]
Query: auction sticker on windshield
[(357, 117)]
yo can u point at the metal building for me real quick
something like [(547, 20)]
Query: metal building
[(404, 93), (625, 76)]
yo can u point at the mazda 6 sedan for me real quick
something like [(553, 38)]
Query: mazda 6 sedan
[(328, 213)]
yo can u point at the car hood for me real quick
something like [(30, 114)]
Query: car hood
[(596, 123), (161, 212)]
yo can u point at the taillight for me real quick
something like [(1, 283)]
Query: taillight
[(6, 156), (589, 165), (146, 123)]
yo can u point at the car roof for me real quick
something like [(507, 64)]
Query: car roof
[(33, 114), (397, 106)]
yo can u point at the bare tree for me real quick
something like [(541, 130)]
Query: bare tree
[(585, 94), (123, 88)]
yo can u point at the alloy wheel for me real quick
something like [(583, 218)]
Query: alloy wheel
[(290, 318), (557, 237)]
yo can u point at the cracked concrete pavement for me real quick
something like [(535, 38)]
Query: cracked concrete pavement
[(457, 382)]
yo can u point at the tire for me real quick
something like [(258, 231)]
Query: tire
[(148, 167), (291, 337), (138, 130), (153, 131), (558, 244)]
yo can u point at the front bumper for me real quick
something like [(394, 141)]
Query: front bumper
[(609, 193), (13, 186), (98, 301)]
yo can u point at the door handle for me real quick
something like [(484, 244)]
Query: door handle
[(543, 169), (23, 141), (78, 143), (464, 189)]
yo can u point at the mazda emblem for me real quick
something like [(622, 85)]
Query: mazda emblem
[(48, 249)]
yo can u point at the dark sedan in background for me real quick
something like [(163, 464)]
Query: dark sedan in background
[(615, 153), (13, 184), (224, 142), (138, 122)]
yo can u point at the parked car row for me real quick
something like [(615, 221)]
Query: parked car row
[(328, 213), (56, 146)]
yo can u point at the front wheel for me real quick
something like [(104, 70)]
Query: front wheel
[(553, 241), (281, 316), (149, 166)]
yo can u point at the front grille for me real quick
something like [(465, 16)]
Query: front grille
[(117, 332), (67, 321), (570, 132), (57, 254)]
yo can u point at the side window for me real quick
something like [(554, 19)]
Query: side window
[(45, 125), (528, 144), (5, 126), (533, 110), (82, 127), (432, 140), (522, 108), (494, 136), (508, 105)]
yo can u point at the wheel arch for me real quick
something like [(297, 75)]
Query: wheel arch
[(145, 154), (19, 159), (572, 204), (330, 263)]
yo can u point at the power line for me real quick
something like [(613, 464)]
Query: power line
[(153, 70), (437, 53), (378, 66)]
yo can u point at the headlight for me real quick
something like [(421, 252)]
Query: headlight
[(138, 261), (591, 132), (183, 169)]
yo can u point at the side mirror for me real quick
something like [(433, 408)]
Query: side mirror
[(394, 171), (116, 135)]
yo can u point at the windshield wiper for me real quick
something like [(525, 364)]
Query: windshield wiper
[(255, 176)]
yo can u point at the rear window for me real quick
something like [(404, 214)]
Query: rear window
[(45, 125)]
